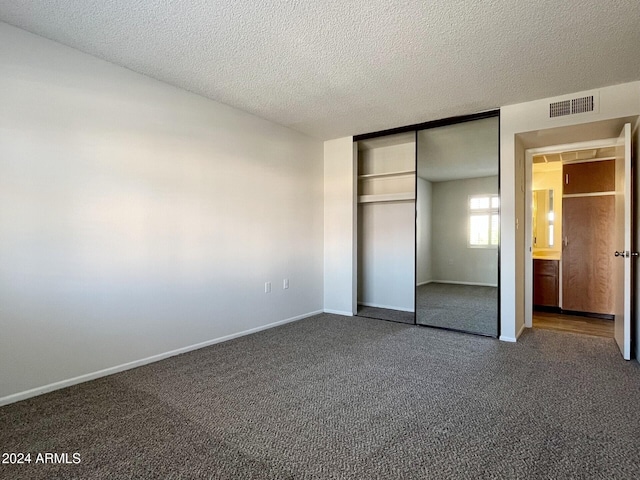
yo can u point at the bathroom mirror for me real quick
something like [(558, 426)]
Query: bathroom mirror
[(543, 219), (457, 226)]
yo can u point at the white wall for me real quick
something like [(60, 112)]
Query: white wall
[(452, 259), (138, 219), (386, 230), (340, 157), (394, 157), (386, 247), (423, 231), (617, 101)]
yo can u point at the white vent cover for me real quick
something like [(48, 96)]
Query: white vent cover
[(582, 105), (572, 106), (559, 109)]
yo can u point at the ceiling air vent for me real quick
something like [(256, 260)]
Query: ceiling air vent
[(582, 105), (559, 109)]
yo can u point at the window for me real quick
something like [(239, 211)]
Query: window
[(484, 221)]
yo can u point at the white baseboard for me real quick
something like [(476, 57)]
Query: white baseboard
[(338, 312), (389, 307), (477, 284), (424, 283), (505, 338), (16, 397)]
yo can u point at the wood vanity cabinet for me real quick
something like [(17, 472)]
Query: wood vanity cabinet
[(546, 281)]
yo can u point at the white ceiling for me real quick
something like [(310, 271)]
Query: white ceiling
[(333, 68), (455, 152), (576, 155)]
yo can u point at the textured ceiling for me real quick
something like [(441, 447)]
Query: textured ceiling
[(333, 68)]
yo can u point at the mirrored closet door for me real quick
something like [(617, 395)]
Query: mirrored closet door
[(457, 226)]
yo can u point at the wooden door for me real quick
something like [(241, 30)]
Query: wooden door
[(587, 261)]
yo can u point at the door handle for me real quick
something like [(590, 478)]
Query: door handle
[(623, 254)]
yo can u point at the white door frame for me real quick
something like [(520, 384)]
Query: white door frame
[(528, 222)]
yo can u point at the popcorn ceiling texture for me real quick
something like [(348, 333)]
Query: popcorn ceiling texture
[(334, 68)]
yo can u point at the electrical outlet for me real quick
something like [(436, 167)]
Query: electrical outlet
[(267, 287), (285, 283)]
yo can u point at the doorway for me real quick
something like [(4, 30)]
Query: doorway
[(560, 322), (577, 215)]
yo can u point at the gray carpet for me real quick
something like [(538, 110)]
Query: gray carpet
[(468, 308), (386, 314), (335, 397)]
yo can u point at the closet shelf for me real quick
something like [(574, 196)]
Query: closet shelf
[(387, 197), (400, 173)]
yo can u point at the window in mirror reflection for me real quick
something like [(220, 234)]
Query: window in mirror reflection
[(484, 221)]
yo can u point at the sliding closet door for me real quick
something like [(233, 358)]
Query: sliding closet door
[(457, 226), (386, 227)]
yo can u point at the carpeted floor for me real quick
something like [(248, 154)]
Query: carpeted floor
[(334, 397), (469, 308), (386, 314)]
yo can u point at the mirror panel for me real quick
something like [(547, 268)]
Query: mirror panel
[(546, 207), (543, 219), (457, 222)]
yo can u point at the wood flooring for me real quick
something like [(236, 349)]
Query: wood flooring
[(573, 323)]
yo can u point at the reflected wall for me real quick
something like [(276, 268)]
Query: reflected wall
[(457, 226)]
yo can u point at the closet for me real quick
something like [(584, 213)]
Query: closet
[(428, 224), (588, 223), (386, 227)]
